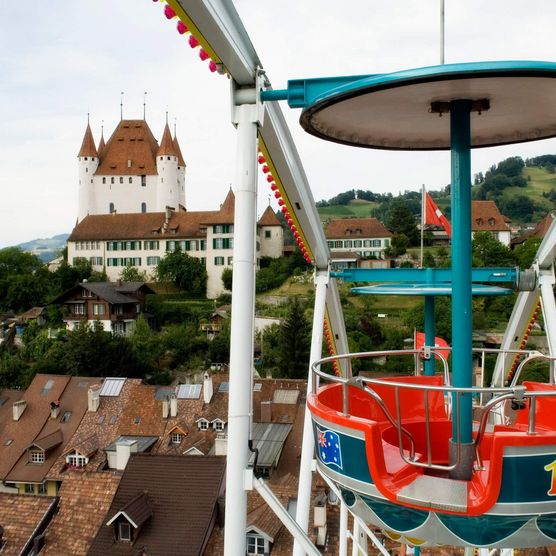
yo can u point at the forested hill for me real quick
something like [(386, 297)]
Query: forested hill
[(524, 191)]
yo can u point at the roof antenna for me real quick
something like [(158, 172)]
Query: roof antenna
[(442, 22), (122, 105), (144, 105)]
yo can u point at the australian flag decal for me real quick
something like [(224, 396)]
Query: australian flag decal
[(328, 446)]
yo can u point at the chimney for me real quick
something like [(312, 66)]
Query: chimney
[(168, 214), (18, 409), (207, 388), (319, 518), (173, 406), (54, 409), (124, 449), (165, 408), (93, 398), (266, 412)]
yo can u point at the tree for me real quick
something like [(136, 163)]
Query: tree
[(227, 276), (400, 220), (145, 345), (398, 246), (488, 251), (187, 273), (526, 252), (132, 274), (294, 342)]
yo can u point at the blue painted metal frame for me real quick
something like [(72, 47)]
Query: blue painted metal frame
[(302, 93), (426, 275)]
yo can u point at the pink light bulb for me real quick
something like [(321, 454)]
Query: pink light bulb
[(277, 194), (169, 12), (266, 169), (193, 42), (281, 202), (285, 210), (273, 186), (203, 54), (261, 159), (181, 27), (269, 178), (212, 66)]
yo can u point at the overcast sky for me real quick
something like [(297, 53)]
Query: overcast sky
[(60, 60)]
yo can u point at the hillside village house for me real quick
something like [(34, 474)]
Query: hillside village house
[(352, 239), (485, 217), (132, 209), (115, 305)]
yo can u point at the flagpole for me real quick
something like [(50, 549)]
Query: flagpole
[(422, 221)]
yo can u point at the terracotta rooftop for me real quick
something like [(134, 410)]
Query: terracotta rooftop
[(181, 161), (36, 427), (108, 291), (354, 228), (269, 218), (88, 145), (539, 230), (22, 518), (167, 146), (487, 218), (84, 501), (183, 501), (226, 213), (132, 141), (101, 144)]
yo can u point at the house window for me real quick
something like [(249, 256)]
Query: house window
[(130, 179), (103, 180), (176, 438), (29, 489), (367, 243), (36, 456), (203, 425), (358, 243), (143, 181), (143, 207), (65, 417), (79, 309), (124, 531), (98, 309), (255, 545), (218, 425), (230, 261), (76, 460), (43, 488), (219, 261), (348, 243), (338, 244), (267, 234), (152, 261), (376, 243), (111, 180), (121, 179), (111, 207)]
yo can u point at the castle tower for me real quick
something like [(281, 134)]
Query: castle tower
[(181, 172), (87, 166), (168, 187)]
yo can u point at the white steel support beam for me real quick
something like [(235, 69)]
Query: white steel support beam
[(291, 525), (307, 447), (343, 541), (242, 326), (546, 280)]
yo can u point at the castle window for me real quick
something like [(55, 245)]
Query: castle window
[(169, 158), (111, 180), (111, 207), (143, 181), (121, 179), (85, 158), (86, 169), (161, 158), (103, 180), (143, 207), (130, 179), (219, 261), (267, 234)]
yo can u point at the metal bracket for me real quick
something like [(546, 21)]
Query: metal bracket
[(443, 107), (427, 352), (241, 96)]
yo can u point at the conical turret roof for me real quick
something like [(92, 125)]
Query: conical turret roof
[(181, 161), (167, 146), (269, 218), (101, 144), (88, 146)]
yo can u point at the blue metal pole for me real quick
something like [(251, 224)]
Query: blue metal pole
[(430, 332), (460, 129)]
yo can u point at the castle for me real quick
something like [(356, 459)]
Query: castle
[(132, 211)]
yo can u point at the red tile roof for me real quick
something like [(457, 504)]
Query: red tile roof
[(181, 161), (353, 228), (269, 218), (22, 517), (167, 146), (487, 218), (88, 145), (84, 501), (226, 213), (182, 492), (132, 141)]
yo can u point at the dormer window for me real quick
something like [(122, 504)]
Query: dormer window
[(176, 438), (218, 425), (491, 221), (124, 531), (256, 544), (36, 456), (75, 459), (203, 425), (480, 221)]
